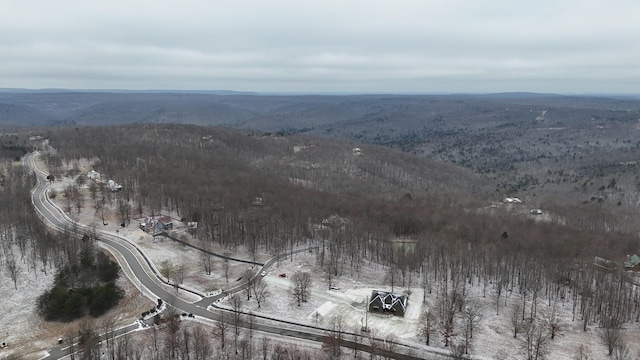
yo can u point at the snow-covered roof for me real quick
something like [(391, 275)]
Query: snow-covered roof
[(93, 175), (113, 186), (387, 301)]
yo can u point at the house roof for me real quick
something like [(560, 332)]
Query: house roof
[(388, 301), (604, 263), (164, 220), (632, 261)]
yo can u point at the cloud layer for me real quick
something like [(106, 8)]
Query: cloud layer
[(328, 46)]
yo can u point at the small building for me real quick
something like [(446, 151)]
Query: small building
[(93, 175), (164, 223), (386, 302), (257, 201), (632, 263), (604, 264), (147, 224), (113, 186)]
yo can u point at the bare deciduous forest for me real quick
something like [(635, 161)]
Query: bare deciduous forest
[(267, 191)]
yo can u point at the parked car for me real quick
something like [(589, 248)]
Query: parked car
[(264, 273), (283, 275)]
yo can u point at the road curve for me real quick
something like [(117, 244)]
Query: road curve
[(56, 219)]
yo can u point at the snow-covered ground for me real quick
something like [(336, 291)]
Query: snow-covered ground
[(493, 338), (25, 332)]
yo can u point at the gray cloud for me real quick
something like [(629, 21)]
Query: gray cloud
[(354, 46)]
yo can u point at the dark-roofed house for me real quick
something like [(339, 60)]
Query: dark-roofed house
[(386, 302), (164, 223)]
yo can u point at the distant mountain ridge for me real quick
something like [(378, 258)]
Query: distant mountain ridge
[(301, 113)]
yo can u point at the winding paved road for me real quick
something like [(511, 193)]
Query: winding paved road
[(55, 218)]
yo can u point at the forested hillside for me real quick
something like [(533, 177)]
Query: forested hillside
[(215, 176), (572, 156), (270, 193)]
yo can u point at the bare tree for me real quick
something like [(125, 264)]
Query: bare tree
[(93, 190), (515, 318), (124, 211), (236, 303), (472, 316), (535, 340), (12, 268), (427, 325), (107, 327), (88, 341), (202, 349), (374, 346), (166, 269), (449, 303), (222, 327), (225, 269), (172, 337), (300, 283), (553, 321), (101, 208), (332, 342), (265, 345), (583, 353), (260, 291), (78, 200), (185, 349), (392, 275), (247, 275), (180, 273), (610, 333), (458, 351), (205, 260), (621, 352)]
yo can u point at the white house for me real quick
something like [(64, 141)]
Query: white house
[(93, 175), (113, 186)]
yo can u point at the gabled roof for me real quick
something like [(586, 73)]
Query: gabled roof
[(164, 220), (388, 301)]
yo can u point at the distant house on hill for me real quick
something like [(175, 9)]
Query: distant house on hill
[(113, 186), (604, 264), (632, 263), (386, 302), (93, 175), (334, 221)]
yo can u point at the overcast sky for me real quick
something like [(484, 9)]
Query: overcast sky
[(368, 46)]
